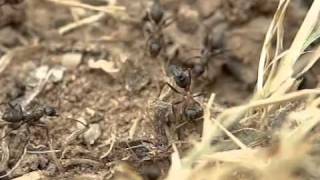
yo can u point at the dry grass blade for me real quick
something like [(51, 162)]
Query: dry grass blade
[(303, 66), (107, 9), (88, 20), (5, 60), (285, 68), (5, 150), (276, 25), (231, 115), (207, 116), (230, 135)]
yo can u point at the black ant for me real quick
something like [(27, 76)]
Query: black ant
[(16, 116), (155, 23), (190, 108), (210, 49)]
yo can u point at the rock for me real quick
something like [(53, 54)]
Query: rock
[(35, 175), (92, 134), (188, 19), (207, 7), (71, 60)]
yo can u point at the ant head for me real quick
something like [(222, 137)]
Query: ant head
[(50, 111), (193, 112), (156, 12), (181, 77)]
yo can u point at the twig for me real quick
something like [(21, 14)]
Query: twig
[(5, 150), (133, 128), (6, 59), (79, 161), (82, 22), (231, 136), (113, 140), (43, 152)]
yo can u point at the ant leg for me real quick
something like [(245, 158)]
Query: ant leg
[(51, 149), (197, 95), (82, 123), (173, 88), (73, 136), (167, 22), (12, 129), (194, 57), (189, 85)]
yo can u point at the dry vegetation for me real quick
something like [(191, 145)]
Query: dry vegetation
[(97, 64)]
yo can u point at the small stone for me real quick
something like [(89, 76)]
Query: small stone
[(35, 175), (71, 60), (207, 8), (92, 134), (187, 20)]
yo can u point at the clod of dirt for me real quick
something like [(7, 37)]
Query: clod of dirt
[(8, 37), (136, 80), (163, 114), (35, 175), (245, 41), (124, 171), (187, 20), (10, 15), (71, 60), (207, 8), (239, 11), (92, 134), (241, 72)]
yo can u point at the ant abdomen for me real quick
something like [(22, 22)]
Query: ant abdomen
[(12, 116), (193, 112)]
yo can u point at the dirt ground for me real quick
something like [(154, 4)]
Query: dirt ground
[(119, 98)]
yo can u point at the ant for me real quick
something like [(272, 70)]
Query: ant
[(190, 108), (210, 48), (155, 22), (16, 116)]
